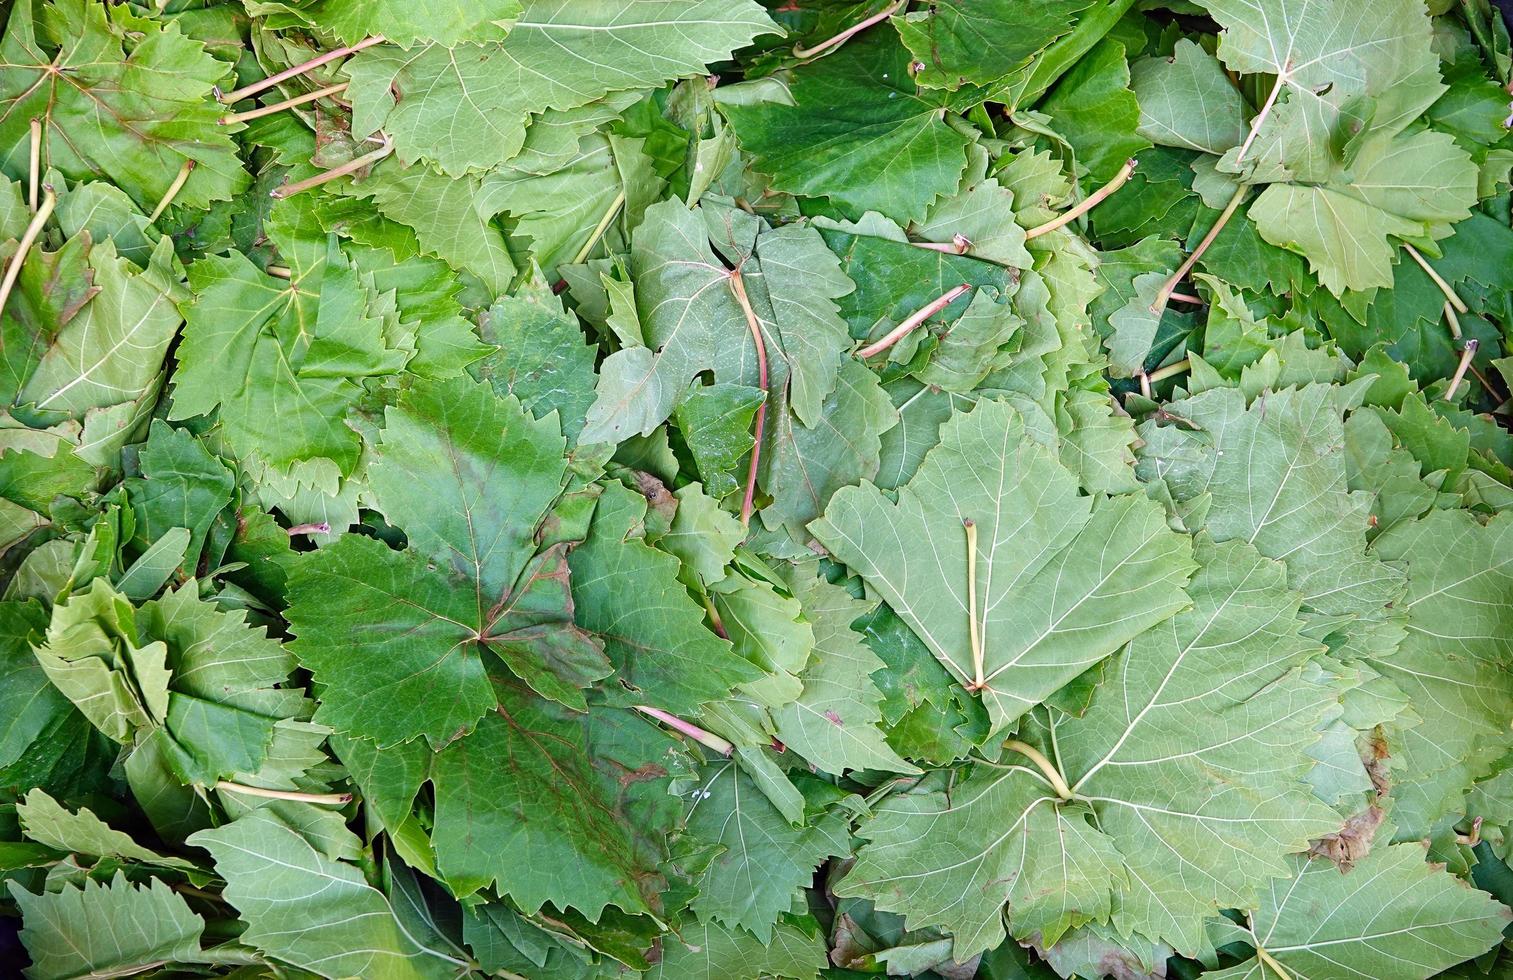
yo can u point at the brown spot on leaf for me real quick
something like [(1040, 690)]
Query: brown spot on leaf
[(1353, 841)]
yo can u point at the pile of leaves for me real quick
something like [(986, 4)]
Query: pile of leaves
[(719, 489)]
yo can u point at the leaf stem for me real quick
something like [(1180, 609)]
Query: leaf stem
[(1452, 320), (1466, 354), (320, 527), (299, 69), (1186, 298), (1052, 774), (970, 526), (1087, 204), (1260, 118), (28, 238), (1170, 371), (351, 166), (278, 271), (1444, 287), (35, 170), (738, 287), (1271, 961), (958, 245), (173, 190), (325, 799), (601, 227), (269, 110), (228, 955), (715, 622), (843, 36), (1171, 283), (707, 739), (913, 320)]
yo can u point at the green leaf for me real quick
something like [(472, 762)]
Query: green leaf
[(404, 23), (470, 478), (103, 930), (834, 722), (693, 320), (29, 704), (44, 820), (715, 421), (559, 54), (762, 861), (1393, 915), (1403, 187), (1050, 605), (1187, 102), (107, 352), (586, 793), (979, 43), (1449, 662), (982, 212), (441, 213), (1274, 478), (93, 656), (245, 340), (1325, 55), (304, 908), (1095, 111), (706, 950), (627, 593), (857, 133), (183, 485), (806, 464), (120, 96), (1200, 731)]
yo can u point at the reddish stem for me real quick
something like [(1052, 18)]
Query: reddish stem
[(958, 245), (269, 110), (351, 166), (299, 69), (856, 28), (913, 320), (1260, 118), (738, 287), (707, 739)]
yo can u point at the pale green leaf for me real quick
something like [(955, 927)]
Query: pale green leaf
[(304, 908), (106, 930), (1050, 604)]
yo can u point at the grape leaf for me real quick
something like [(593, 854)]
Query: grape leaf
[(1050, 607), (663, 654), (586, 793), (1201, 730), (119, 95), (306, 908), (110, 929), (858, 133), (979, 43), (1393, 914), (471, 580)]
